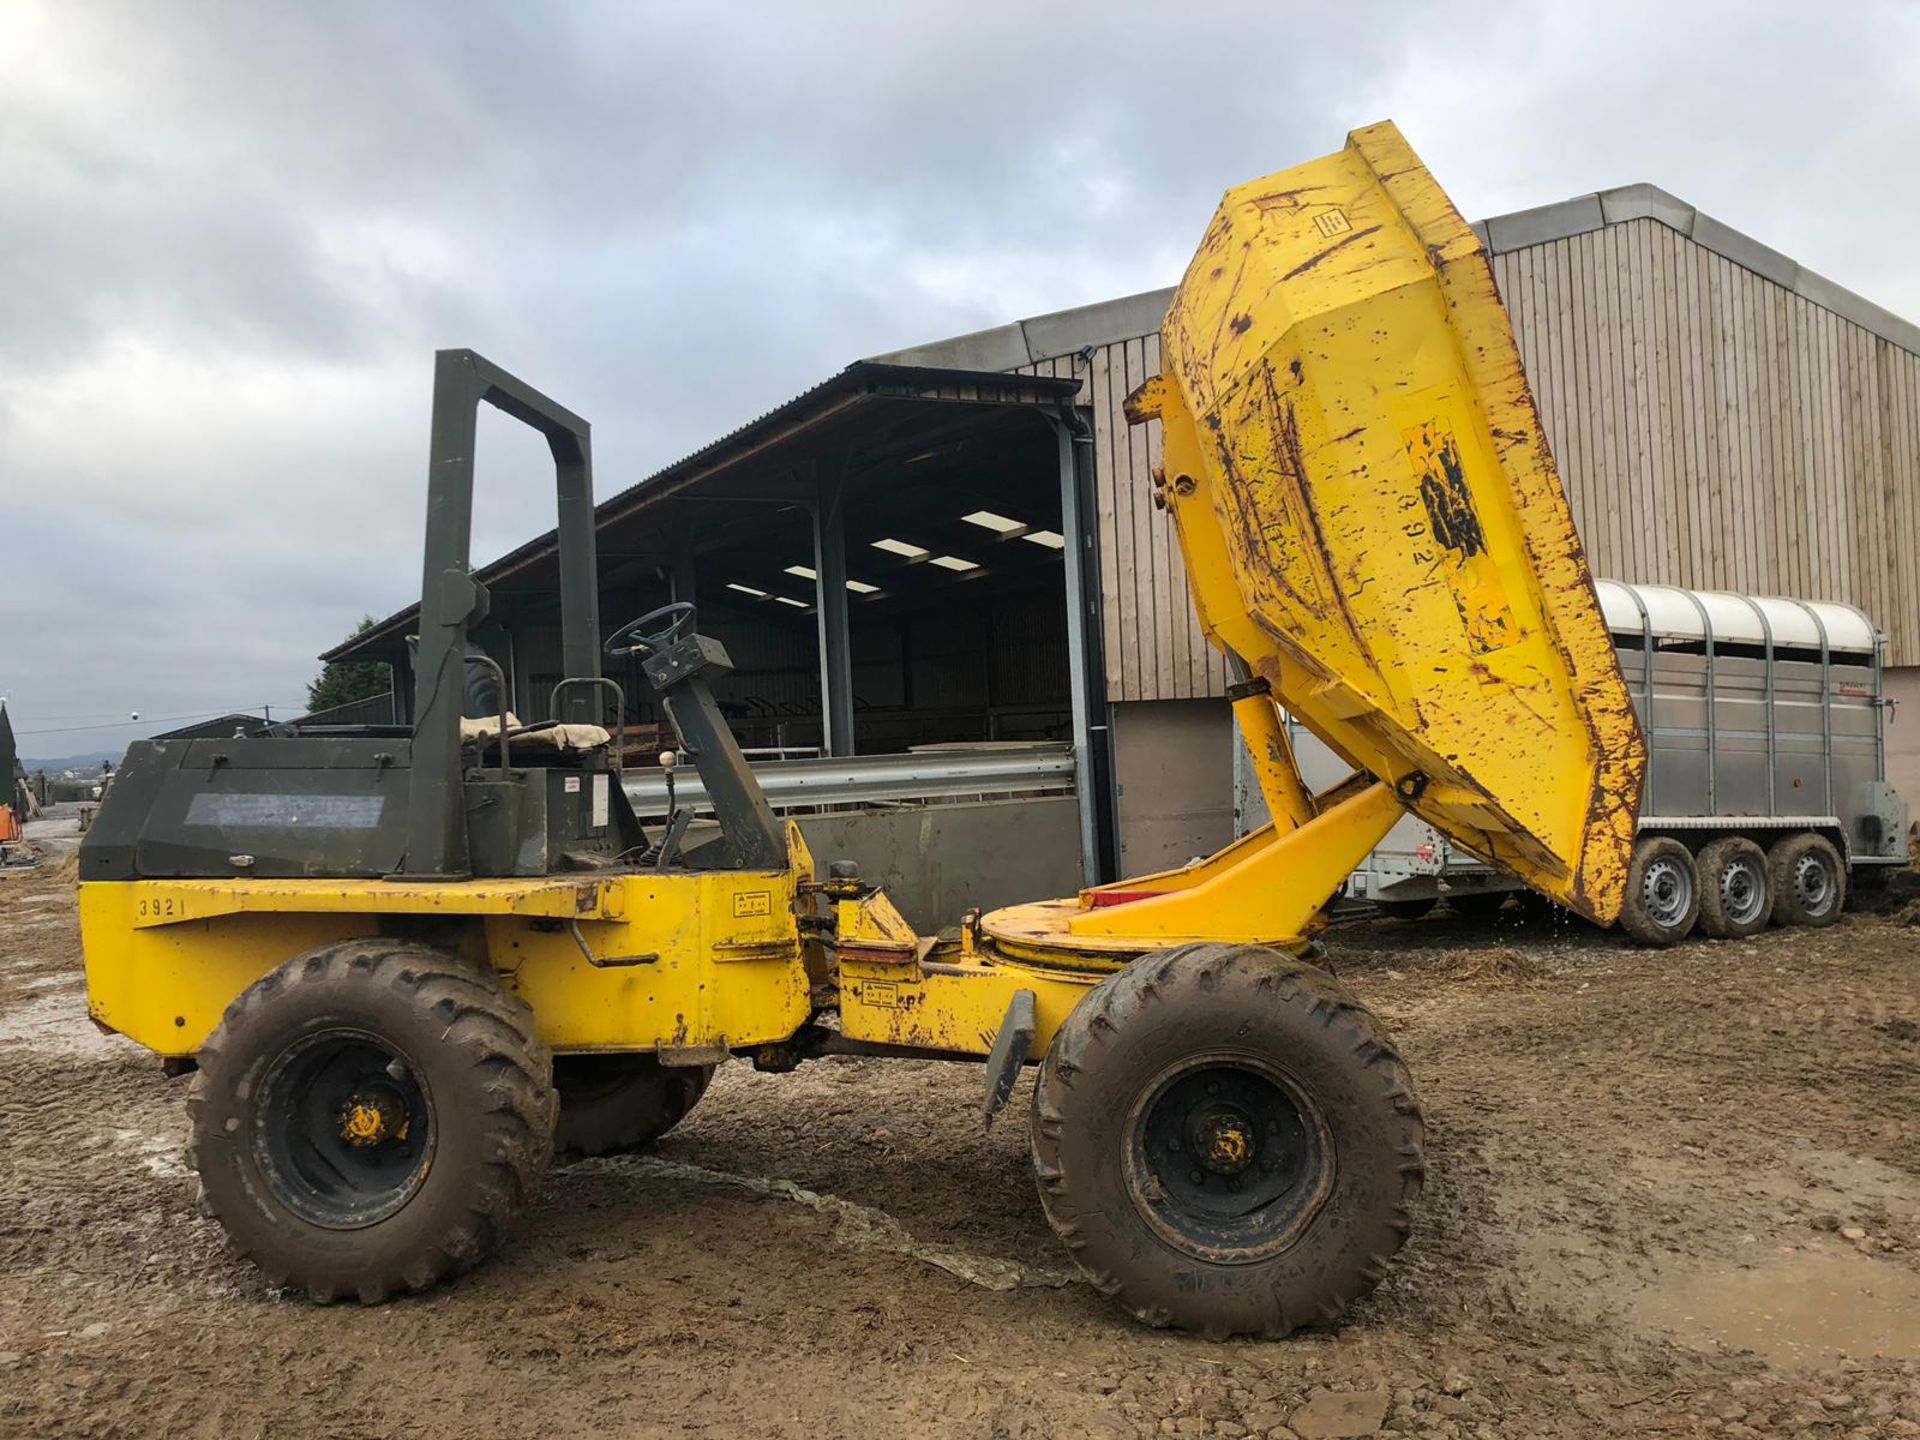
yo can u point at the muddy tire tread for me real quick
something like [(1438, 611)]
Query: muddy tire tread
[(658, 1098), (1635, 922), (1782, 858), (491, 1028), (1712, 859), (1098, 1023)]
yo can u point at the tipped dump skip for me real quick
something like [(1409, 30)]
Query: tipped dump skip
[(1372, 520)]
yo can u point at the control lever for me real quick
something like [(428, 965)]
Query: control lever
[(670, 842), (677, 820)]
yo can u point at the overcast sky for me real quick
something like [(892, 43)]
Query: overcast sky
[(231, 236)]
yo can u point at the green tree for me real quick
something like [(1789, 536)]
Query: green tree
[(343, 681)]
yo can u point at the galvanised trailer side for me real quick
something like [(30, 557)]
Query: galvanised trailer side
[(1760, 804)]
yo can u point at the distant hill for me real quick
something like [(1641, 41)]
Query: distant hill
[(89, 761)]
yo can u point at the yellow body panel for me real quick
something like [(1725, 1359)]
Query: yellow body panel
[(1372, 521), (952, 1004), (687, 961)]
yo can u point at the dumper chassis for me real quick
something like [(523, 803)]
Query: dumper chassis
[(406, 964)]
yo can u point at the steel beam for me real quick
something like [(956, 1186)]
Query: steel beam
[(830, 592), (874, 779), (1071, 432)]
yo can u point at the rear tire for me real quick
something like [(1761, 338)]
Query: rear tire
[(1736, 893), (610, 1104), (1663, 892), (1227, 1142), (370, 1118), (1406, 909), (1809, 882)]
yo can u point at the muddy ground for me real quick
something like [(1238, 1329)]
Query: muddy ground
[(1673, 1194)]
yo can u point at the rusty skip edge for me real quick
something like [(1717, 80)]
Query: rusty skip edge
[(1569, 600)]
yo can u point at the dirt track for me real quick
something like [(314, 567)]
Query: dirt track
[(1646, 1172)]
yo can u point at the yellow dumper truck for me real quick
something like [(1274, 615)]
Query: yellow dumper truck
[(398, 959)]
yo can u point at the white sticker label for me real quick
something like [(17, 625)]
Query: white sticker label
[(599, 802), (572, 784)]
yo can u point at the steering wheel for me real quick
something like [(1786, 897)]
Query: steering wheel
[(638, 637)]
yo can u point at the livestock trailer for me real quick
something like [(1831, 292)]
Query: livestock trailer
[(1766, 790)]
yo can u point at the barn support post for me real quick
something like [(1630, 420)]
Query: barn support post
[(830, 592), (1073, 435)]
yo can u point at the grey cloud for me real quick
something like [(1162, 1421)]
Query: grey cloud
[(234, 232)]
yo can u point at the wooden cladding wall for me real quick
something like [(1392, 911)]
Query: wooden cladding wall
[(1715, 430), (1712, 430), (1149, 633)]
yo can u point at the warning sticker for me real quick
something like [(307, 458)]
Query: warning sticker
[(749, 903), (1332, 222)]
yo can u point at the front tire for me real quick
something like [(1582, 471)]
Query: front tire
[(370, 1118), (1227, 1142)]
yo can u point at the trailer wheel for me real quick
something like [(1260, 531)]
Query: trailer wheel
[(1809, 882), (369, 1118), (1227, 1142), (1736, 898), (1407, 909), (1663, 892), (1477, 904), (615, 1103)]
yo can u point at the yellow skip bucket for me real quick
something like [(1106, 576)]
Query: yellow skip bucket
[(1372, 521)]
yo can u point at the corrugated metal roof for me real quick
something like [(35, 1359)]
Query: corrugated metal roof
[(861, 379)]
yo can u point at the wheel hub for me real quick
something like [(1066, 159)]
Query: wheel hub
[(1229, 1159), (367, 1119), (1812, 883), (1667, 892), (1742, 891), (344, 1133), (1222, 1140)]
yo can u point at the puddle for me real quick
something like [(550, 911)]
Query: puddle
[(1808, 1177), (162, 1155), (1807, 1309), (59, 981), (54, 1022)]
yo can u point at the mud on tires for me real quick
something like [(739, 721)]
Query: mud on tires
[(1663, 892), (1809, 880), (1736, 897), (1227, 1142), (611, 1104), (370, 1118)]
